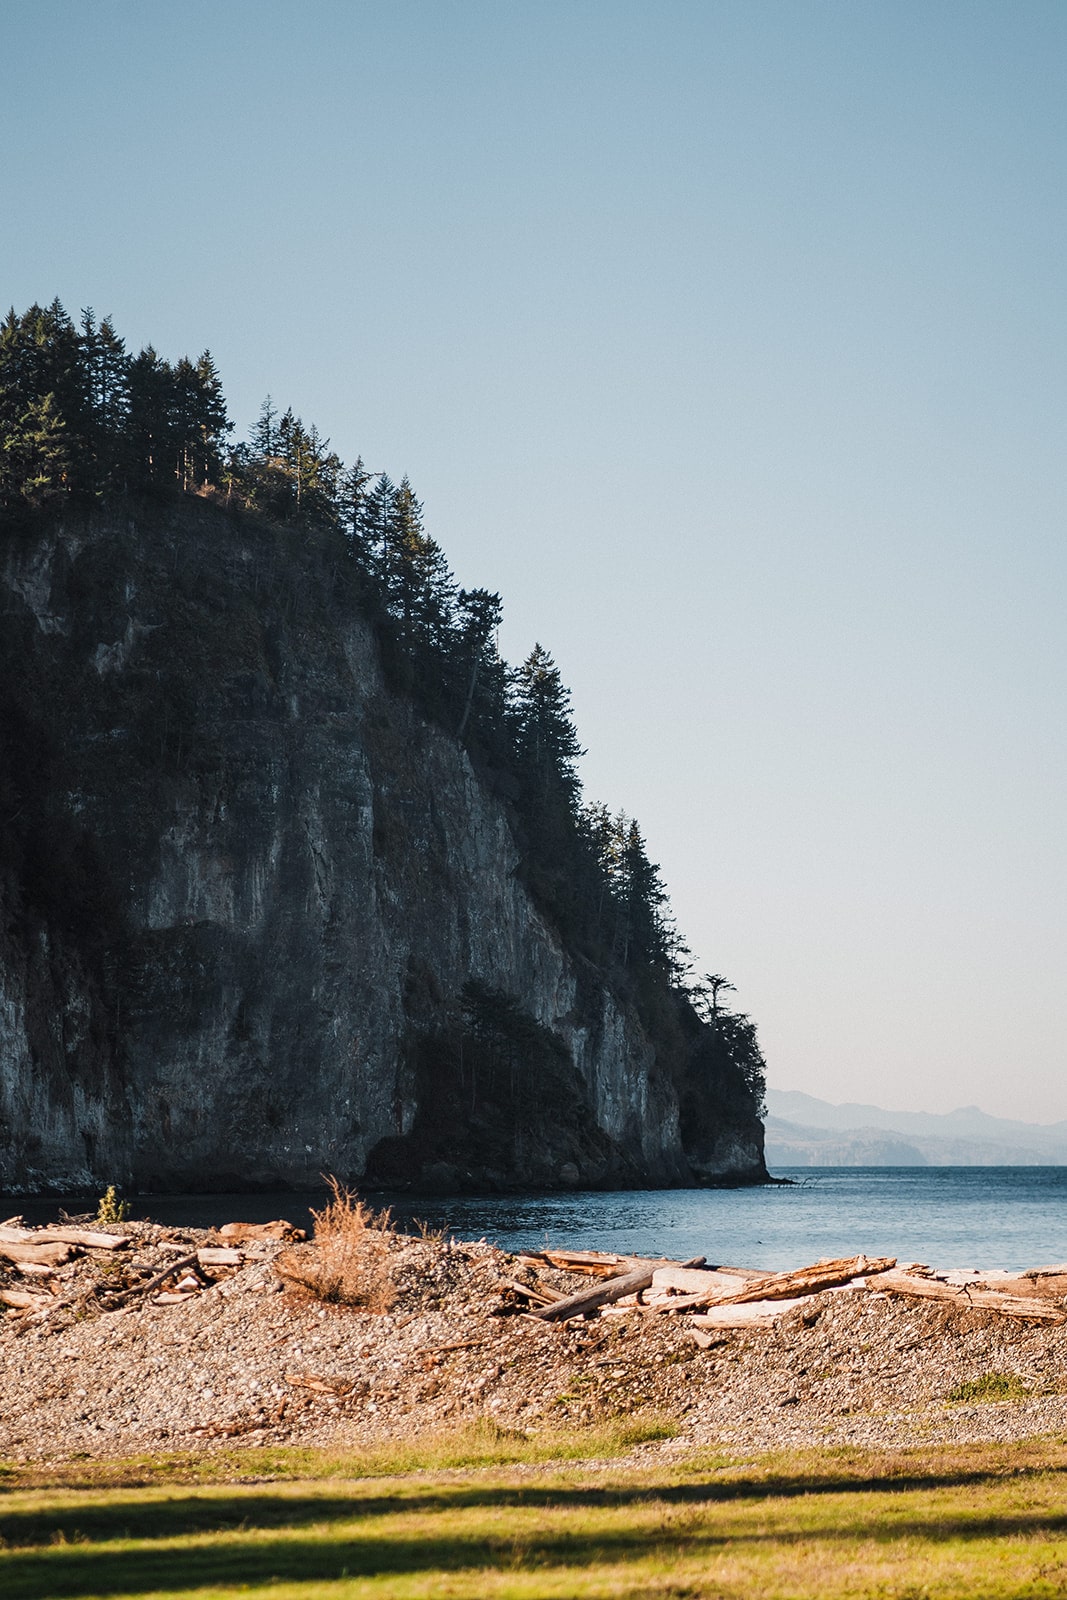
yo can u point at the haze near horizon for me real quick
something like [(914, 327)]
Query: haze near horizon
[(725, 341)]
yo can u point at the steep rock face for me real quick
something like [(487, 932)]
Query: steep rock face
[(245, 886)]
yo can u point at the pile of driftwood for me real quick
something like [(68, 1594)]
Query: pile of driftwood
[(37, 1255), (41, 1273), (718, 1298)]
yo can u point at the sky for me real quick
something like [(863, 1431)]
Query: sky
[(725, 341)]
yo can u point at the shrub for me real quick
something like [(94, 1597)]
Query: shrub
[(990, 1386), (348, 1260), (110, 1210)]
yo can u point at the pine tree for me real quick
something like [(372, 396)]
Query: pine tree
[(545, 739), (419, 588), (353, 497), (36, 462), (478, 671), (107, 372), (265, 433), (320, 494), (44, 391), (151, 433), (644, 900), (377, 518), (211, 421)]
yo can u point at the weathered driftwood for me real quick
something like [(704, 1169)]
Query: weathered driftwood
[(544, 1297), (88, 1238), (597, 1263), (457, 1344), (806, 1281), (602, 1264), (610, 1290), (23, 1299), (1042, 1285), (1027, 1309), (692, 1280), (317, 1385), (45, 1255), (219, 1256), (748, 1314), (694, 1286), (279, 1229), (155, 1282), (921, 1287)]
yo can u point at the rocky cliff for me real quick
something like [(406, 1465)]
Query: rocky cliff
[(260, 920)]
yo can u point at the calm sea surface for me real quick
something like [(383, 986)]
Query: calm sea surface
[(1011, 1217)]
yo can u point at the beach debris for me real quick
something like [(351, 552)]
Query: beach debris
[(533, 1293), (1030, 1308), (287, 1232), (219, 1256), (45, 1255), (317, 1385), (156, 1281), (586, 1300), (87, 1238), (195, 1346), (595, 1263), (750, 1314), (23, 1299)]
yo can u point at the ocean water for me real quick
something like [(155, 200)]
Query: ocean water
[(1012, 1217)]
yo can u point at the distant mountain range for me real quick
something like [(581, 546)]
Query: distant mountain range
[(805, 1132)]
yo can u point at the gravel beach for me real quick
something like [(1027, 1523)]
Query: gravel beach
[(245, 1353)]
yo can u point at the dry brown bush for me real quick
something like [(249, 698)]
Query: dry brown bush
[(348, 1260)]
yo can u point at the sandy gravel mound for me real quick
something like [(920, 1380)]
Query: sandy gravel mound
[(96, 1357)]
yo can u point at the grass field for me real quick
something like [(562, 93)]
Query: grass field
[(487, 1515)]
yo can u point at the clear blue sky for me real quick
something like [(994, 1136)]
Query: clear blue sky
[(727, 341)]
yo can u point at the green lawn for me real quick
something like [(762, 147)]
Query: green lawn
[(983, 1522)]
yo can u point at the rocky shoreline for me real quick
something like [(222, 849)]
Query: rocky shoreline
[(181, 1339)]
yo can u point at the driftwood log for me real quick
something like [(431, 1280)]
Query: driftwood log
[(808, 1280), (687, 1289), (88, 1238), (280, 1229), (751, 1314), (23, 1300), (601, 1263), (154, 1283), (45, 1255), (1026, 1308), (610, 1290), (543, 1297), (219, 1256)]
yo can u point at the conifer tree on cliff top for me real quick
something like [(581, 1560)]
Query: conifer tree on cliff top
[(82, 420)]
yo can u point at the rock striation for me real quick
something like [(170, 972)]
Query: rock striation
[(244, 886)]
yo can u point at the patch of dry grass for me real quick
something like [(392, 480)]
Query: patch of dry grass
[(347, 1262), (480, 1443)]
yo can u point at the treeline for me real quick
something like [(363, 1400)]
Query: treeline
[(83, 421)]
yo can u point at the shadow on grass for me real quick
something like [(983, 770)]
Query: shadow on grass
[(63, 1571), (144, 1516)]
